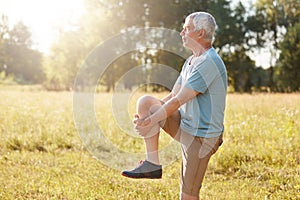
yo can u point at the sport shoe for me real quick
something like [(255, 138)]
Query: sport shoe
[(146, 169)]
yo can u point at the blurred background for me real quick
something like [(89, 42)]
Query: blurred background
[(44, 43)]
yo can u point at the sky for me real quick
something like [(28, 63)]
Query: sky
[(43, 17)]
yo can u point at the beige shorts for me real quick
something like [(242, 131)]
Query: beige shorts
[(196, 152)]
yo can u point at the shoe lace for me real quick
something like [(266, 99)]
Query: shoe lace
[(139, 163)]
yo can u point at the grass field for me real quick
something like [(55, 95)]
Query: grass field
[(42, 156)]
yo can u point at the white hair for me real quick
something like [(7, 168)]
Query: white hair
[(204, 20)]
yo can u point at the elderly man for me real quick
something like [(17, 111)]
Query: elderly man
[(192, 113)]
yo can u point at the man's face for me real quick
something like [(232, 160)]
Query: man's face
[(189, 35)]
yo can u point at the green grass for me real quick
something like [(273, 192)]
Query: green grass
[(42, 156)]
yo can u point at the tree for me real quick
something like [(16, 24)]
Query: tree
[(275, 17), (4, 32), (288, 70), (66, 57), (171, 14), (236, 36), (17, 58), (240, 70)]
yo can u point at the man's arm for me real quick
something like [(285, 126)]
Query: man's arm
[(183, 96), (167, 98), (174, 91)]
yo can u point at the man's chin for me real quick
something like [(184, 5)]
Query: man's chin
[(185, 45)]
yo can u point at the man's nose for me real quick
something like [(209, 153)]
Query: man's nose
[(182, 32)]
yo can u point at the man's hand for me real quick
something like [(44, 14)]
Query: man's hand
[(141, 122), (143, 126)]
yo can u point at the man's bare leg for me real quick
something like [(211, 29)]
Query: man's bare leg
[(150, 168), (184, 196), (147, 105)]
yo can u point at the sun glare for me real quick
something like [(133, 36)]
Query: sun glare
[(43, 17)]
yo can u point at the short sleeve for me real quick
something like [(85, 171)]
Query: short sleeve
[(202, 76), (179, 80)]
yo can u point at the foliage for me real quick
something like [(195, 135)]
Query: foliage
[(42, 157), (17, 58), (276, 17), (240, 70), (288, 65), (63, 63), (121, 16), (242, 30)]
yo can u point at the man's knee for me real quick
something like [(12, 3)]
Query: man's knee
[(145, 99), (149, 102)]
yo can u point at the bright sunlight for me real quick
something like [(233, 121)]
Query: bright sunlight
[(44, 18)]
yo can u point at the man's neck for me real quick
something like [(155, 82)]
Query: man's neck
[(202, 48)]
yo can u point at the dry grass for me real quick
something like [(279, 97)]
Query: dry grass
[(42, 157)]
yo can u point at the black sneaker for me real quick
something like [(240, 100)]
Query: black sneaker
[(146, 169)]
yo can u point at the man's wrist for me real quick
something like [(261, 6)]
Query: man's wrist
[(150, 120), (156, 117)]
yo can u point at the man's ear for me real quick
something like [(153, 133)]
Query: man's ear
[(201, 33)]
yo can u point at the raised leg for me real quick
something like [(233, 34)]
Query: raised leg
[(150, 168), (147, 105)]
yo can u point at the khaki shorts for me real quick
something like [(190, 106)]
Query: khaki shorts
[(196, 152)]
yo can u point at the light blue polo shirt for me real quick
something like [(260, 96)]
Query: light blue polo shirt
[(203, 115)]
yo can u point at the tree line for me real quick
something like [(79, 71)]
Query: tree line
[(243, 29)]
